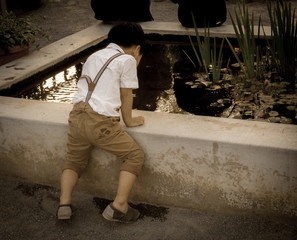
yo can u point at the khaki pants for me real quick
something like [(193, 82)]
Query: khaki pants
[(88, 128)]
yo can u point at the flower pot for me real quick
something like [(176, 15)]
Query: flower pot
[(13, 53), (19, 48)]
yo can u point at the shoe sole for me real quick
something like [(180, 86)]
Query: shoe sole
[(64, 218), (107, 214), (64, 214)]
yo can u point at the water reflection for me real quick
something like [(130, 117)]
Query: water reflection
[(61, 87), (155, 74)]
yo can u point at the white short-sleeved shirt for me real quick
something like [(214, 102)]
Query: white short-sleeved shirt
[(120, 73)]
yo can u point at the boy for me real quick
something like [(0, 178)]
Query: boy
[(94, 119)]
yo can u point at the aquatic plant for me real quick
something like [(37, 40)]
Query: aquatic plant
[(283, 43), (206, 55), (216, 61), (246, 37)]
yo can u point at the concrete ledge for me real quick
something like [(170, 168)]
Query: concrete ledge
[(202, 163), (37, 61)]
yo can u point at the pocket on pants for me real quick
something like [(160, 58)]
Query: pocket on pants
[(102, 129), (73, 120)]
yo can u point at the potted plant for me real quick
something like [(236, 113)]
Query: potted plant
[(17, 35)]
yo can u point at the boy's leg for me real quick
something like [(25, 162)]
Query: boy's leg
[(120, 210), (78, 152), (124, 147), (69, 179), (126, 182), (119, 143), (77, 159)]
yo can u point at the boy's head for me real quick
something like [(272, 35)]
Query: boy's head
[(127, 34)]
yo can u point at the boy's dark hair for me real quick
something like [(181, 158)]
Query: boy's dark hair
[(127, 34)]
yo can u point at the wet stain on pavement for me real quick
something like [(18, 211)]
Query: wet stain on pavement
[(30, 189)]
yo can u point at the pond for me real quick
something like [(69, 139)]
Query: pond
[(169, 83)]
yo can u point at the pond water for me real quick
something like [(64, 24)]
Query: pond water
[(155, 91), (168, 83), (61, 87), (155, 74)]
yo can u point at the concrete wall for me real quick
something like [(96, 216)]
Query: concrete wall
[(203, 163)]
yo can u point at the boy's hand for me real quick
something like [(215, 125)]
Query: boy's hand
[(137, 121), (126, 109)]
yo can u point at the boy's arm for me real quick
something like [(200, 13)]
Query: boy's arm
[(126, 109)]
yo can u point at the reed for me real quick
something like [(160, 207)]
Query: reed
[(283, 43), (216, 61), (246, 37), (207, 55)]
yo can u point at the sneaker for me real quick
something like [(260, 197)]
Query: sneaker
[(112, 214), (64, 212)]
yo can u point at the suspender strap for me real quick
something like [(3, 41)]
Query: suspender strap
[(92, 84), (91, 87)]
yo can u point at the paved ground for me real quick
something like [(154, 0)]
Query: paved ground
[(27, 211), (65, 17)]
